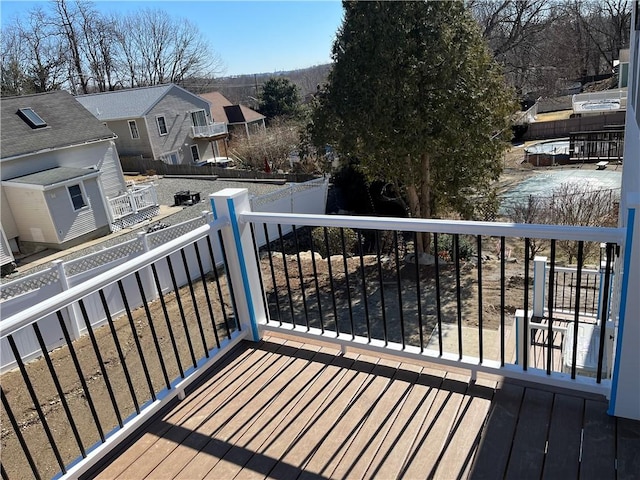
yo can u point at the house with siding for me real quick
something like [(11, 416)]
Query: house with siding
[(60, 174), (161, 122), (240, 119)]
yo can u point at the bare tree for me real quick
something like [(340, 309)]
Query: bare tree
[(68, 20)]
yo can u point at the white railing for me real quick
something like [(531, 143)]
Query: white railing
[(135, 200), (211, 130)]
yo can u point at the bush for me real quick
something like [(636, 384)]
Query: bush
[(334, 240), (466, 247)]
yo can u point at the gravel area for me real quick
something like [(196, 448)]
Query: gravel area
[(166, 189)]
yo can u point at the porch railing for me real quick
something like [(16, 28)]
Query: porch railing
[(212, 130), (362, 283), (135, 200), (152, 326)]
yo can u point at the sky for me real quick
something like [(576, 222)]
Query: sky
[(249, 37)]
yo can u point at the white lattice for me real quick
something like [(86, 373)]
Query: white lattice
[(134, 219), (163, 236), (29, 283), (102, 257), (257, 202)]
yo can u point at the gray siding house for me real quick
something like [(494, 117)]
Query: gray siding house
[(162, 122), (60, 176)]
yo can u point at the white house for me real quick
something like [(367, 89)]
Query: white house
[(161, 122), (61, 179)]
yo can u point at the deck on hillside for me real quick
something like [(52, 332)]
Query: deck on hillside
[(282, 409)]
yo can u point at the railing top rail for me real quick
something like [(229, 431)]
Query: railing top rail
[(55, 303), (463, 227)]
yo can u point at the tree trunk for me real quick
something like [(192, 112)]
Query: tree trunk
[(420, 201)]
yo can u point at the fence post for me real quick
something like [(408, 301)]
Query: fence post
[(539, 285), (242, 265), (72, 310), (520, 346), (153, 293)]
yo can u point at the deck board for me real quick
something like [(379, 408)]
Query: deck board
[(284, 410)]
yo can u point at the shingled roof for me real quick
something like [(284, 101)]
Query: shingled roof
[(67, 123), (223, 110)]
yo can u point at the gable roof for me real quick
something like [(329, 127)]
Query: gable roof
[(223, 110), (128, 103), (67, 124)]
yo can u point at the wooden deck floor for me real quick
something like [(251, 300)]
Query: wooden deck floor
[(284, 410)]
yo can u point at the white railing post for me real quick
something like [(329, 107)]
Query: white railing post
[(153, 293), (521, 343), (72, 309), (539, 285), (132, 201), (625, 386), (241, 255)]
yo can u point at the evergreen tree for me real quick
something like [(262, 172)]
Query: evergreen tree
[(279, 98), (415, 96)]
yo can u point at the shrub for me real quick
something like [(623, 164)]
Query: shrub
[(466, 247), (334, 238)]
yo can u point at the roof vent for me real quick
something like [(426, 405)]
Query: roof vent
[(31, 117)]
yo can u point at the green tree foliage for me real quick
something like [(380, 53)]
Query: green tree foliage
[(415, 96), (279, 98)]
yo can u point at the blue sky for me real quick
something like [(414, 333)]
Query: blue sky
[(250, 37)]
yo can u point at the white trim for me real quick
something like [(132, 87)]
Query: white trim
[(197, 151), (164, 120), (83, 193), (131, 130)]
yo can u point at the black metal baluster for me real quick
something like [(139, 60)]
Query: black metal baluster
[(525, 331), (346, 278), (207, 297), (232, 294), (134, 333), (167, 320), (550, 308), (183, 318), (153, 332), (564, 286), (502, 299), (456, 248), (286, 276), (192, 292), (418, 293), (36, 403), (399, 286), (301, 277), (3, 473), (19, 436), (257, 249), (382, 307), (315, 277), (103, 369), (332, 286), (596, 286), (363, 279), (438, 302), (76, 363), (116, 341), (216, 276), (480, 304), (576, 313), (273, 275), (56, 382), (604, 309)]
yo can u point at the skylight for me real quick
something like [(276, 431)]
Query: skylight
[(32, 118)]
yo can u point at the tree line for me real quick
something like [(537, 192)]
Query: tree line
[(71, 45)]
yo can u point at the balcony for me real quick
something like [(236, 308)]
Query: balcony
[(264, 359), (214, 131)]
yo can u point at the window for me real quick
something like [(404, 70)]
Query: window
[(199, 118), (133, 129), (162, 125), (77, 198), (32, 118), (195, 154)]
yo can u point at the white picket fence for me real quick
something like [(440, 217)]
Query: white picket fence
[(308, 197)]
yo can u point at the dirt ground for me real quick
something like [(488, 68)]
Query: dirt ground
[(388, 294)]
